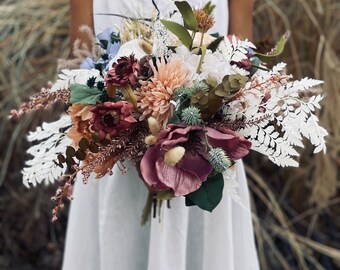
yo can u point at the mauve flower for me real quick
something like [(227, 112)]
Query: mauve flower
[(124, 72), (111, 118), (145, 71), (193, 169)]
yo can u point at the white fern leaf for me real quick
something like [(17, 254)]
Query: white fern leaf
[(298, 86), (79, 76), (278, 68), (231, 186), (266, 141), (52, 141), (235, 50)]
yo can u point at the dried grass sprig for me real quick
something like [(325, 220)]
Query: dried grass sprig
[(129, 145), (45, 99), (237, 124), (81, 50)]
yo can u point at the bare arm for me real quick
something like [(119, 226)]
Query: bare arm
[(241, 19), (81, 14)]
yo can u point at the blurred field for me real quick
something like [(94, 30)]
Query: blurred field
[(296, 211)]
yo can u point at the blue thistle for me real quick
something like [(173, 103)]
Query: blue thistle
[(191, 116), (219, 160)]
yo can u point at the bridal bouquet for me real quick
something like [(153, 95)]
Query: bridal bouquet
[(178, 103)]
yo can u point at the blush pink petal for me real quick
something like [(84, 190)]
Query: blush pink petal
[(181, 181), (235, 146), (197, 165), (148, 171)]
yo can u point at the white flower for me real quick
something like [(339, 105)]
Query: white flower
[(128, 48), (207, 39), (190, 61), (216, 67)]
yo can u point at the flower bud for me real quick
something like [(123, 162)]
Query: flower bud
[(219, 160), (154, 126), (146, 46), (174, 155), (150, 140)]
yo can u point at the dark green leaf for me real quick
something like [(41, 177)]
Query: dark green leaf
[(70, 161), (175, 119), (80, 154), (93, 148), (180, 31), (209, 195), (84, 143), (187, 15), (58, 164), (188, 202), (70, 152), (83, 94), (214, 45), (277, 50), (95, 138), (255, 63), (61, 158), (103, 43)]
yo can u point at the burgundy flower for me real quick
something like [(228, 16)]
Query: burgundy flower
[(145, 71), (125, 71), (112, 118), (193, 169)]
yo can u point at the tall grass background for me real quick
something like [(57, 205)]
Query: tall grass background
[(296, 211)]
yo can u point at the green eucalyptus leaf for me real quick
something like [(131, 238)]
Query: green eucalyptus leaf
[(214, 45), (209, 195), (277, 50), (180, 31), (83, 94), (187, 15)]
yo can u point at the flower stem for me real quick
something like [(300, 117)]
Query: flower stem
[(204, 50), (202, 36)]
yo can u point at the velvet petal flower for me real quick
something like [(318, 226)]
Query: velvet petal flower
[(112, 118), (235, 145), (194, 168)]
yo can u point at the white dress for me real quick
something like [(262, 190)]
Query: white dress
[(104, 231)]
